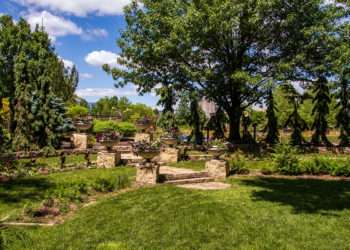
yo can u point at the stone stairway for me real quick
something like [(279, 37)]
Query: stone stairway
[(177, 176)]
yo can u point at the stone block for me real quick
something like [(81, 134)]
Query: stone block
[(108, 160), (169, 155), (80, 141), (217, 168), (147, 174), (143, 137)]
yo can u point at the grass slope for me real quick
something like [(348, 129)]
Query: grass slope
[(253, 214), (17, 194)]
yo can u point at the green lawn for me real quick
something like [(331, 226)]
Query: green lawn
[(49, 162), (31, 191), (253, 214), (194, 165)]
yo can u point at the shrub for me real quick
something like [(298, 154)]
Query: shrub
[(238, 164), (77, 110), (286, 160), (126, 129), (103, 126), (342, 170)]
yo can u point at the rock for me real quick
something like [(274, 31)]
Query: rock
[(80, 141), (147, 174), (108, 160), (217, 168), (143, 137), (169, 155)]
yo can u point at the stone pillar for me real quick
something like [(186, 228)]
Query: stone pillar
[(143, 137), (169, 155), (80, 141), (147, 174), (108, 160), (217, 168)]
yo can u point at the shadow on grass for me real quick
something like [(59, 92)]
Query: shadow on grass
[(305, 196), (24, 189)]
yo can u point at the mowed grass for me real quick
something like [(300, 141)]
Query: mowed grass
[(50, 162), (20, 193), (253, 214)]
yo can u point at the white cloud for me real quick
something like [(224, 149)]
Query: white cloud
[(55, 26), (99, 58), (67, 63), (105, 92), (86, 75), (80, 7), (90, 34)]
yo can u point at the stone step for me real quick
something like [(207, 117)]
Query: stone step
[(173, 177), (190, 181)]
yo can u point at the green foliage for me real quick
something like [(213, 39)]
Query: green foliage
[(286, 159), (343, 115), (103, 126), (320, 111), (77, 110), (124, 128), (34, 80), (294, 120), (272, 136), (127, 129), (128, 111), (238, 163)]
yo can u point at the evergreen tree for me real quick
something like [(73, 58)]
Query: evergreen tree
[(217, 123), (195, 120), (294, 120), (320, 111), (272, 136), (343, 116), (23, 118), (11, 39)]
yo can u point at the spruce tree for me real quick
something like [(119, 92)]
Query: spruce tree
[(320, 111), (23, 118), (44, 103), (343, 116), (294, 120), (272, 136)]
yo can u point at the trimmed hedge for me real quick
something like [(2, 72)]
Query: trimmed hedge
[(124, 128)]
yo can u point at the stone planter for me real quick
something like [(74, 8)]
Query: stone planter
[(142, 137), (169, 155), (217, 168), (80, 141), (216, 152), (169, 141), (148, 155), (147, 174), (141, 126), (82, 125), (109, 143), (108, 159)]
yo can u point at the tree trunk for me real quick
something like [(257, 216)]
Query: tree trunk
[(235, 122)]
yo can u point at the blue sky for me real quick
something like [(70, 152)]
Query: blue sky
[(84, 33)]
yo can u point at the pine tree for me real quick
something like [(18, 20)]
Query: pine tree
[(294, 120), (343, 116), (23, 139), (45, 106), (272, 136), (320, 111), (195, 120), (22, 121)]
